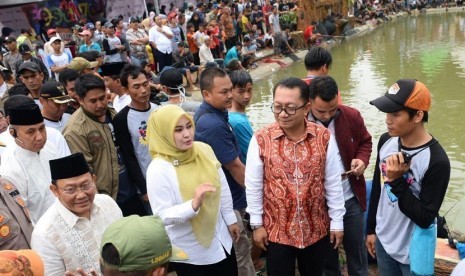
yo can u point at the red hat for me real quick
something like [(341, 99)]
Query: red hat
[(85, 32), (172, 15), (51, 31)]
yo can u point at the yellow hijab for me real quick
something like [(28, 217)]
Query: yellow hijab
[(194, 167)]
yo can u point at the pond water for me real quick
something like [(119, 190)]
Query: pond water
[(429, 48)]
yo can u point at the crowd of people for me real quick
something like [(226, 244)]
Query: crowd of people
[(100, 176), (187, 38)]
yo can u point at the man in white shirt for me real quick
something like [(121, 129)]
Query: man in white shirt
[(54, 137), (68, 235), (54, 100), (25, 163), (206, 56), (160, 38), (58, 60), (294, 194), (4, 86), (48, 49), (110, 73)]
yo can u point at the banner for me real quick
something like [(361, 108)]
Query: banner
[(13, 18), (125, 8)]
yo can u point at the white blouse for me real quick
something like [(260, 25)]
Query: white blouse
[(166, 201)]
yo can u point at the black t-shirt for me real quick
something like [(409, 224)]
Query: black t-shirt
[(283, 7)]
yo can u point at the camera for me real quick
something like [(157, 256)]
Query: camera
[(407, 157)]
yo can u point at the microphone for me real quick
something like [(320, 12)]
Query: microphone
[(17, 139)]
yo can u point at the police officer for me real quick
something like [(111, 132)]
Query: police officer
[(15, 224)]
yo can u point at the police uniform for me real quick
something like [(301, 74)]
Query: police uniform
[(15, 224)]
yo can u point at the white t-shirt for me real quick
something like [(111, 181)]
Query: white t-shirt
[(205, 55), (137, 126), (163, 43), (59, 60), (120, 102), (114, 42), (3, 89), (58, 125)]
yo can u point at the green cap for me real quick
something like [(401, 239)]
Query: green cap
[(80, 63), (142, 243)]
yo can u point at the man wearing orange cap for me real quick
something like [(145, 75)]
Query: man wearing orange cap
[(409, 184)]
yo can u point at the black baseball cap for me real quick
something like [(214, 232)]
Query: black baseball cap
[(171, 78), (24, 49), (404, 93), (55, 91), (6, 31), (10, 39), (133, 19), (30, 66), (112, 69)]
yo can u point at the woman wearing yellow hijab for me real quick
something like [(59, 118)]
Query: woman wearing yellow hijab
[(188, 190)]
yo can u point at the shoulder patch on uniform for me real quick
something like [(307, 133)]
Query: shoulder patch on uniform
[(96, 139), (4, 231)]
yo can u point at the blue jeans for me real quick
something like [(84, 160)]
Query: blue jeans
[(354, 243), (387, 266)]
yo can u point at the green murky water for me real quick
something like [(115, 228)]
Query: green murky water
[(430, 48)]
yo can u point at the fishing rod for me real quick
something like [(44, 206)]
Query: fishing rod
[(334, 36)]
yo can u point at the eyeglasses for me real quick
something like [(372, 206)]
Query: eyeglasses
[(277, 109), (73, 190)]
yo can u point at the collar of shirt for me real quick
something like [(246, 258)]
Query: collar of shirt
[(278, 132), (94, 118), (69, 217), (211, 109)]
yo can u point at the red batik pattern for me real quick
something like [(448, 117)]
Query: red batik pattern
[(294, 205)]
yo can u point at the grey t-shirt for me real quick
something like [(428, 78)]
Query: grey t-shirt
[(188, 106)]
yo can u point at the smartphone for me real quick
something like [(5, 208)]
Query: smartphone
[(346, 175)]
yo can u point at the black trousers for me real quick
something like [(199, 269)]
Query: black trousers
[(163, 60), (227, 267), (133, 206), (280, 259)]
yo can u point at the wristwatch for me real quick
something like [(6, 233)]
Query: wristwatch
[(255, 227)]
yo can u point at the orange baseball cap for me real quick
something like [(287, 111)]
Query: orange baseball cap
[(404, 93), (21, 262)]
